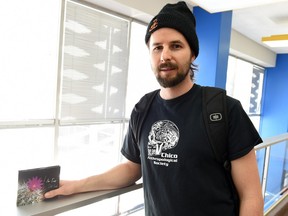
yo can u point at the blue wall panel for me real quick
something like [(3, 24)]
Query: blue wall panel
[(275, 104), (214, 31)]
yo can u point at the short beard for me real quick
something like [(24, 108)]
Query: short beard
[(168, 83)]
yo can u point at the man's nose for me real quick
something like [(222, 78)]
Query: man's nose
[(165, 55)]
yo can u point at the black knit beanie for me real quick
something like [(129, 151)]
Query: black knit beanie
[(179, 17)]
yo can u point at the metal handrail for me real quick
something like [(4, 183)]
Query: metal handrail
[(272, 140)]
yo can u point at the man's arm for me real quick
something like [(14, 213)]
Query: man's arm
[(122, 175), (246, 179)]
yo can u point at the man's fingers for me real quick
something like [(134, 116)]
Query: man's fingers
[(51, 194)]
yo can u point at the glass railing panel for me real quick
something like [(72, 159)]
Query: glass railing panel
[(132, 203), (277, 173), (106, 207)]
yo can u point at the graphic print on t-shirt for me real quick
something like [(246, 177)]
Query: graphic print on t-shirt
[(164, 135)]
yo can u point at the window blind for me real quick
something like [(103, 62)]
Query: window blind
[(95, 65)]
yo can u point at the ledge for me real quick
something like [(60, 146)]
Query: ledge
[(66, 203)]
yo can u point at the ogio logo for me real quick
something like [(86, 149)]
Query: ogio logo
[(215, 117)]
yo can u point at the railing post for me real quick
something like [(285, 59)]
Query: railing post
[(265, 169)]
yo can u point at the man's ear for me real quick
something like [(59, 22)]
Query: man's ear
[(192, 57)]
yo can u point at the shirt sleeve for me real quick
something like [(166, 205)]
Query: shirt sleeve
[(242, 135), (130, 148)]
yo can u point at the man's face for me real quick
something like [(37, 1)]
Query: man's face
[(170, 56)]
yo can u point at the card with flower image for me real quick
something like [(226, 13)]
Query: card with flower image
[(34, 183)]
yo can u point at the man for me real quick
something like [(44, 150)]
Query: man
[(173, 155)]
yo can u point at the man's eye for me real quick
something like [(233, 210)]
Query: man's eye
[(157, 48), (176, 46)]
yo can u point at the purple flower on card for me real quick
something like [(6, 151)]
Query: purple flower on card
[(35, 183)]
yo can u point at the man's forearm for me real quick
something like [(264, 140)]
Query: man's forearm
[(251, 207), (120, 176)]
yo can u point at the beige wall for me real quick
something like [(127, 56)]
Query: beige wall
[(245, 48)]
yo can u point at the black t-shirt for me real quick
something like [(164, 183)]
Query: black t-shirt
[(180, 173)]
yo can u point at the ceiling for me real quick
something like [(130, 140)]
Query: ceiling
[(253, 18)]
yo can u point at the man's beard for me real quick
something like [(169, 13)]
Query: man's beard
[(167, 82)]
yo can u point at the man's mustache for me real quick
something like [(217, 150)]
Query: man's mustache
[(166, 65)]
